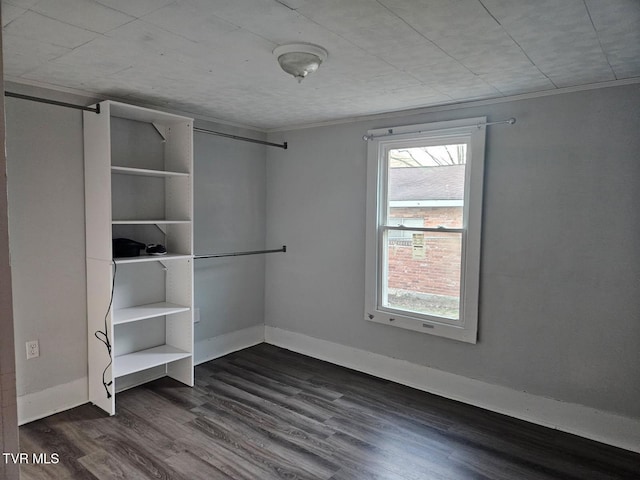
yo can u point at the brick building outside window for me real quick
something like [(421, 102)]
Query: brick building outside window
[(425, 196)]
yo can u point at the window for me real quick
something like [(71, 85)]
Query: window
[(402, 234), (424, 207)]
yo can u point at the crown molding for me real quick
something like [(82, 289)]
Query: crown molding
[(93, 97), (96, 97), (458, 105)]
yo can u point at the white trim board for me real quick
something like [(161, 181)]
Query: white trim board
[(94, 97), (577, 419), (221, 345), (37, 405), (18, 81), (444, 107), (44, 403), (139, 378), (605, 427)]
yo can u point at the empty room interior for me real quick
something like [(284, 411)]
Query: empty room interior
[(320, 239)]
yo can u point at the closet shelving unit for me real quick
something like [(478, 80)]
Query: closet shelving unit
[(138, 185)]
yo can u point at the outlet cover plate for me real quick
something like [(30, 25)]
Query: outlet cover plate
[(33, 349)]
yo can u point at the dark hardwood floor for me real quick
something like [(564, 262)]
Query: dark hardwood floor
[(267, 413)]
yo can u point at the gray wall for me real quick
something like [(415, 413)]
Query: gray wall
[(47, 236), (229, 214), (559, 315), (8, 406)]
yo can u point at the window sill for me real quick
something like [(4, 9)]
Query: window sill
[(430, 327)]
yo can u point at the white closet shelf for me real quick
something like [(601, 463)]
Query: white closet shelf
[(144, 359), (145, 172), (141, 312), (149, 222), (152, 258), (146, 159)]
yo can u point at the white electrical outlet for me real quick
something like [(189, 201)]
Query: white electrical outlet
[(196, 315), (33, 349)]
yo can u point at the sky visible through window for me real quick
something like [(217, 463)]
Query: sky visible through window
[(432, 156)]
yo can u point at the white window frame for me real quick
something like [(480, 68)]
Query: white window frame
[(380, 142), (404, 233)]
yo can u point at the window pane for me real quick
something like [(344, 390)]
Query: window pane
[(423, 273), (426, 183)]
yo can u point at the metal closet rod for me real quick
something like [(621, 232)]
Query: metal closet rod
[(97, 110), (284, 145), (52, 102), (238, 254)]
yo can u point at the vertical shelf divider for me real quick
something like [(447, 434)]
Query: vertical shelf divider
[(146, 319)]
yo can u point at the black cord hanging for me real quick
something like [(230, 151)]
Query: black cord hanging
[(103, 336)]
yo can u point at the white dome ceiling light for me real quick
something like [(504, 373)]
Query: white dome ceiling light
[(300, 59)]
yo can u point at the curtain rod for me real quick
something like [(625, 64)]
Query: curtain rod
[(237, 254), (51, 102), (390, 132), (237, 137)]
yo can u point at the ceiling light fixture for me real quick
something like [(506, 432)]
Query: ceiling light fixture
[(300, 59)]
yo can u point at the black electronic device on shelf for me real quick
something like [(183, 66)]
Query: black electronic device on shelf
[(125, 247)]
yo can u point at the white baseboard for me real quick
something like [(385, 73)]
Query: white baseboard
[(139, 378), (35, 406), (215, 347), (605, 427)]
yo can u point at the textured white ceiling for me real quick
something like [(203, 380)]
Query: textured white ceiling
[(214, 57)]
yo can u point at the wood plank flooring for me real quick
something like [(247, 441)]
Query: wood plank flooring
[(267, 413)]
